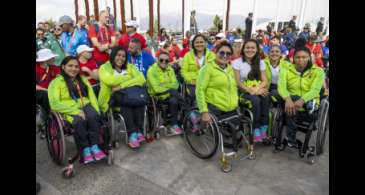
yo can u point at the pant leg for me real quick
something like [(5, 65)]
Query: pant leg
[(255, 101), (264, 110), (191, 94), (93, 124), (80, 134), (127, 113), (42, 100), (173, 109), (214, 110), (138, 117)]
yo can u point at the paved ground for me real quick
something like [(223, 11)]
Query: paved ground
[(167, 167)]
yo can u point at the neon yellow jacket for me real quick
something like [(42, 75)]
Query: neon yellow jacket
[(282, 64), (217, 87), (108, 80), (61, 101), (190, 69), (307, 86), (159, 81)]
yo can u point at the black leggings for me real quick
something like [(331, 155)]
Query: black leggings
[(42, 100), (134, 118), (173, 104), (260, 109), (86, 132)]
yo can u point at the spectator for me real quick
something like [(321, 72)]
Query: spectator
[(211, 42), (316, 50), (193, 23), (41, 40), (299, 43), (88, 66), (185, 49), (111, 20), (248, 26), (49, 43), (305, 34), (140, 58), (289, 38), (102, 38), (320, 26), (57, 33), (92, 20), (237, 45), (82, 28), (131, 34), (151, 42), (175, 49), (163, 37), (292, 24), (71, 37), (165, 47), (276, 41), (40, 25)]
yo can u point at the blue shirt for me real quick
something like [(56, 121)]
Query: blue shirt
[(210, 46), (142, 61), (70, 41), (283, 48), (304, 35)]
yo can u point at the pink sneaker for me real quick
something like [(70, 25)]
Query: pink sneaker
[(87, 157), (257, 135), (177, 129), (133, 141), (141, 138), (98, 154)]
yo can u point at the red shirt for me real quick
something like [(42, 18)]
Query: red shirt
[(124, 40), (44, 76), (183, 52), (176, 50), (104, 36), (90, 64), (171, 55), (316, 50)]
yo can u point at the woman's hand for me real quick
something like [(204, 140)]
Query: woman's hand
[(263, 92), (252, 90), (289, 107), (116, 88), (299, 104), (206, 118), (82, 115)]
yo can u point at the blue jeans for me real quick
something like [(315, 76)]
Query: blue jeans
[(260, 109)]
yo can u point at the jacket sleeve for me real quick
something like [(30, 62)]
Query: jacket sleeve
[(315, 87), (137, 79), (188, 76), (282, 84), (54, 94), (109, 78), (174, 84), (154, 83), (92, 96), (202, 83)]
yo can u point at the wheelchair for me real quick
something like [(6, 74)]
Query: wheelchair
[(58, 130), (116, 123), (227, 131), (159, 117), (41, 121), (318, 125)]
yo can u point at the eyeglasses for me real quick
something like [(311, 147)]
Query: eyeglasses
[(224, 54), (164, 60)]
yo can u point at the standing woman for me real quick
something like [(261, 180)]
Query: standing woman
[(115, 75), (195, 59), (72, 96), (251, 79)]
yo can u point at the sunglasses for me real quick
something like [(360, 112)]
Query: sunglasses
[(164, 61), (224, 54)]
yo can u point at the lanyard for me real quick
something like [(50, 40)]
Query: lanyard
[(45, 74), (79, 92), (102, 35), (72, 38)]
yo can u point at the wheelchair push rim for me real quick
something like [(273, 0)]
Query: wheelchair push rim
[(56, 139)]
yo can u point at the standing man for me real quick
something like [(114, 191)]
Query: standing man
[(82, 29), (320, 26), (248, 26), (292, 24), (140, 58), (111, 20), (193, 24), (131, 34), (102, 38)]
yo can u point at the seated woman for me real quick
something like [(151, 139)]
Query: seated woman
[(118, 74), (251, 79), (300, 85), (161, 79), (193, 61), (274, 63), (72, 96), (216, 89)]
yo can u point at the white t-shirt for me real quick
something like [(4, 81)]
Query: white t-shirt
[(245, 68), (275, 75), (123, 73), (201, 60)]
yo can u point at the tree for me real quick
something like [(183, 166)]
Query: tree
[(218, 23), (51, 23)]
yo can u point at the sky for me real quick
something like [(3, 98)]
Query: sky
[(54, 9)]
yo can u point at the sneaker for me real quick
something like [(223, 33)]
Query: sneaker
[(98, 154), (88, 158), (257, 137), (141, 137), (263, 130), (133, 140), (291, 143), (177, 129)]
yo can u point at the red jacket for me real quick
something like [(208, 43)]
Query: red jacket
[(124, 40)]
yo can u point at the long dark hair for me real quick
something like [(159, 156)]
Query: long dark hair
[(305, 49), (69, 83), (192, 42), (255, 73), (114, 53)]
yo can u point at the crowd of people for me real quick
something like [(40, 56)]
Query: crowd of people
[(81, 66)]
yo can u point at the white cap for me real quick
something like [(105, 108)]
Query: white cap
[(238, 41), (220, 35), (83, 48), (44, 55), (132, 23)]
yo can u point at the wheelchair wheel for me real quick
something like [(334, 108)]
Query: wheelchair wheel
[(323, 126), (113, 130), (56, 139), (277, 125), (204, 142), (41, 121)]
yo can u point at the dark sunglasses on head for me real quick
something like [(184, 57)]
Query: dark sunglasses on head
[(224, 54), (164, 61)]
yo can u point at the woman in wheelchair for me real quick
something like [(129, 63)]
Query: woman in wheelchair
[(72, 96), (300, 85), (115, 75), (216, 89), (199, 56), (162, 84), (274, 63), (251, 79)]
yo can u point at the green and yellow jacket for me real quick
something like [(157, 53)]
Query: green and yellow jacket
[(159, 81), (190, 68)]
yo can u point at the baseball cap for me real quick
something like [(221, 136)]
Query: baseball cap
[(83, 48), (132, 23), (65, 20)]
